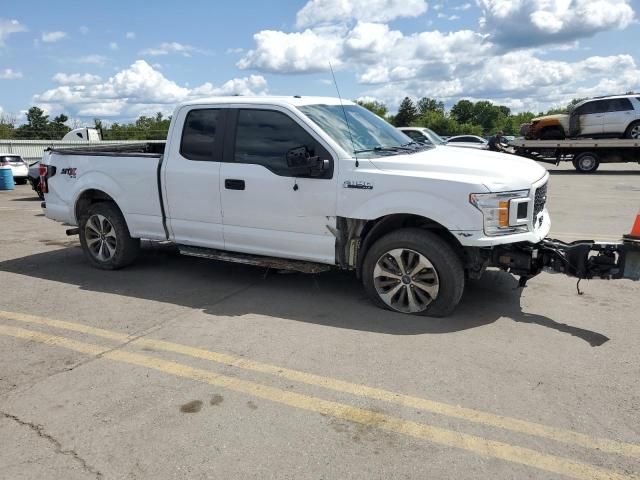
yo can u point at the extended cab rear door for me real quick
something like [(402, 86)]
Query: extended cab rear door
[(266, 209), (191, 176), (619, 115)]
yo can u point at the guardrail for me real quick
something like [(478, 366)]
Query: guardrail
[(31, 150)]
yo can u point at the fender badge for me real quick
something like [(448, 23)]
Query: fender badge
[(357, 184), (69, 171)]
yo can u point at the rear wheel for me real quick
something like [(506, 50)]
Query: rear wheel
[(586, 162), (105, 237), (413, 271), (20, 181), (633, 131)]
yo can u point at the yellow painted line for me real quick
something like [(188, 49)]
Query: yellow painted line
[(441, 408), (441, 436)]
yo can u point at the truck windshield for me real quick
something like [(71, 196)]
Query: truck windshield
[(370, 133)]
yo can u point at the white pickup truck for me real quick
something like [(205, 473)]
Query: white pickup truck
[(313, 183)]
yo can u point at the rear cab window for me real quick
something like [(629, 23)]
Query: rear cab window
[(199, 134)]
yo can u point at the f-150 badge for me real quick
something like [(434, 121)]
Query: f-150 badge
[(357, 184)]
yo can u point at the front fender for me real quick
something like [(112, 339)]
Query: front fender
[(453, 216)]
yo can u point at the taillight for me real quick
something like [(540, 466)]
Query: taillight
[(42, 172)]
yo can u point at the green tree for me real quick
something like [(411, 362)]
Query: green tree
[(426, 104), (462, 111), (7, 126), (487, 115), (376, 107), (407, 113), (57, 128), (37, 126)]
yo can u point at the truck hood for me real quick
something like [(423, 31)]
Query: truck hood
[(498, 172)]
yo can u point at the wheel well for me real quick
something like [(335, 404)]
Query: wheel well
[(88, 198), (376, 229), (547, 128)]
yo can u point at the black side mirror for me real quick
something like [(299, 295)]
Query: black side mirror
[(302, 164)]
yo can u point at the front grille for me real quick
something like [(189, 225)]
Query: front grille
[(540, 200)]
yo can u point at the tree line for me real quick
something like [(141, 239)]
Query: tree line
[(464, 117), (39, 127)]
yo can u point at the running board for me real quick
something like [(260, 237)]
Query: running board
[(257, 260)]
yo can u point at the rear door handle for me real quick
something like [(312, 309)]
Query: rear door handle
[(233, 184)]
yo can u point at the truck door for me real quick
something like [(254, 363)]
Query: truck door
[(266, 209), (592, 117), (618, 116), (191, 177)]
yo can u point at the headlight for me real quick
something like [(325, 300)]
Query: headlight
[(504, 213)]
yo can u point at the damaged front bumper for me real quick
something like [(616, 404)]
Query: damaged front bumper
[(583, 259)]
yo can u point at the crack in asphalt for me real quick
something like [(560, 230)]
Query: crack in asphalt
[(57, 446)]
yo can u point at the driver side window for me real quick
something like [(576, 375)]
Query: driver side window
[(264, 137)]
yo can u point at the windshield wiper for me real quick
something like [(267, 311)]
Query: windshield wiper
[(399, 148)]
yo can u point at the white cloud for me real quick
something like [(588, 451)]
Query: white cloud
[(448, 17), (231, 51), (463, 7), (299, 52), (136, 90), (9, 27), (52, 37), (93, 59), (84, 29), (166, 48), (316, 12), (551, 21), (10, 74), (75, 78), (113, 46), (130, 35)]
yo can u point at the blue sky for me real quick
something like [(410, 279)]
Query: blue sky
[(116, 60)]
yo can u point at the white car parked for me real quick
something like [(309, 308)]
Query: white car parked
[(423, 135), (19, 167), (468, 141)]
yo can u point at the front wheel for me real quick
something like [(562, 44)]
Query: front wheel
[(586, 162), (413, 271), (105, 237)]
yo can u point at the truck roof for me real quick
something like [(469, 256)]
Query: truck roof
[(284, 101)]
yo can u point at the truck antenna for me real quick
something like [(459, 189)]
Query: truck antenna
[(344, 112)]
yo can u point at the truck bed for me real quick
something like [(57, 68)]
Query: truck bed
[(580, 143), (142, 149)]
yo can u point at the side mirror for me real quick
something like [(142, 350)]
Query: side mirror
[(302, 164)]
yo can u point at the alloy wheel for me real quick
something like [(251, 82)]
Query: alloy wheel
[(406, 280), (101, 237)]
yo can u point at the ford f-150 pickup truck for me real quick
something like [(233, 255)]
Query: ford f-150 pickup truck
[(313, 183)]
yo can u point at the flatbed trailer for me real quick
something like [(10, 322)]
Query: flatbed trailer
[(586, 154)]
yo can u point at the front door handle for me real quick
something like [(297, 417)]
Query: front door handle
[(233, 184)]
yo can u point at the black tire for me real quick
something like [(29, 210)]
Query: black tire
[(633, 131), (112, 236), (449, 272), (20, 181), (35, 184), (586, 162), (552, 133)]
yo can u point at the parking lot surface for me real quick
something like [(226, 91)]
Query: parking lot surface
[(179, 367)]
